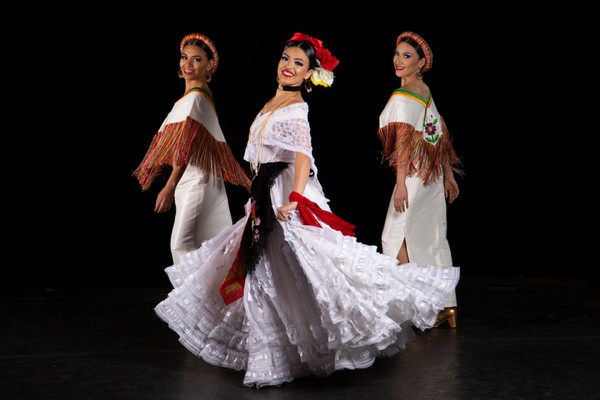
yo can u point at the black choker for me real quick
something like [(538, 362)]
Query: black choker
[(291, 88)]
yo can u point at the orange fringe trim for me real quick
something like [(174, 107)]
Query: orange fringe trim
[(189, 142), (404, 145)]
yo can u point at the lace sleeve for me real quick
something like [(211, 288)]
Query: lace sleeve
[(290, 130), (294, 134)]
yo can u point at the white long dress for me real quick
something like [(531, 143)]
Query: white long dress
[(191, 135), (317, 301), (413, 124)]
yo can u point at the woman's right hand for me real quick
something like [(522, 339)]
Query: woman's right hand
[(283, 212), (164, 200)]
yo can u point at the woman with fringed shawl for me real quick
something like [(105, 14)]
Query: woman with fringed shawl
[(191, 142), (416, 143)]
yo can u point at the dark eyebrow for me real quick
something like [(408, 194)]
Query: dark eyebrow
[(295, 59)]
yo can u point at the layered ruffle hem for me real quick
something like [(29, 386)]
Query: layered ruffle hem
[(317, 302)]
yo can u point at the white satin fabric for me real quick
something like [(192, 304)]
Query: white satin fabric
[(423, 226), (202, 210), (201, 205)]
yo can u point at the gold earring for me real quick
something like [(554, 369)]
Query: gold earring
[(307, 86), (179, 73)]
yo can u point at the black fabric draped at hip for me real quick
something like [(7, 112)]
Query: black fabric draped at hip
[(262, 218)]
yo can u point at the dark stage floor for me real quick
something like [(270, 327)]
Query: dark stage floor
[(517, 338)]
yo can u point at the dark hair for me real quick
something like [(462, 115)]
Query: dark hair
[(414, 44), (202, 45), (308, 49)]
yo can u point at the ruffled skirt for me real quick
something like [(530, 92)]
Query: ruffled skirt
[(317, 302)]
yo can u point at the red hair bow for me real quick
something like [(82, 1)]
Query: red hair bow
[(324, 56)]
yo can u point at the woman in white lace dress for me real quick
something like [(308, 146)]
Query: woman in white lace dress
[(288, 291)]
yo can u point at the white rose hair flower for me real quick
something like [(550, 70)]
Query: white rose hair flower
[(322, 77)]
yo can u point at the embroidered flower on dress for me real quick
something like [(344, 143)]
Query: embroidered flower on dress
[(431, 131), (255, 228), (255, 223)]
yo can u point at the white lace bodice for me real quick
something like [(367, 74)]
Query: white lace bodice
[(279, 136)]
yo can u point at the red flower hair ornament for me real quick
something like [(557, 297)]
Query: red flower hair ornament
[(326, 62)]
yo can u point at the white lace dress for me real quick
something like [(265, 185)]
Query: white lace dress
[(317, 301)]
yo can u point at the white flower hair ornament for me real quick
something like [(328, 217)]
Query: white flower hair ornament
[(323, 73), (322, 77)]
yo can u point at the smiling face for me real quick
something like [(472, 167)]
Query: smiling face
[(194, 63), (406, 61), (293, 68)]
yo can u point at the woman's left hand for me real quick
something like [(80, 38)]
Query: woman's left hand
[(450, 188)]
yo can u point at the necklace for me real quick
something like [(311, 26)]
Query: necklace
[(261, 131)]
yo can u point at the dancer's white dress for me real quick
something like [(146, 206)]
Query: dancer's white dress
[(412, 131), (191, 135), (316, 302)]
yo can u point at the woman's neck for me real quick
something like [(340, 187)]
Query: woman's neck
[(409, 81), (282, 94), (196, 84), (416, 86), (280, 99)]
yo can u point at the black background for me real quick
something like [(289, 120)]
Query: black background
[(86, 89)]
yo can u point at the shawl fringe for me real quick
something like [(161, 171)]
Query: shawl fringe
[(403, 145), (189, 142)]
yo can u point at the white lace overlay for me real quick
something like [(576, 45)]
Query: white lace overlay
[(317, 301), (279, 136)]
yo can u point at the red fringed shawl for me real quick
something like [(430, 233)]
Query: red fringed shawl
[(189, 142), (425, 150)]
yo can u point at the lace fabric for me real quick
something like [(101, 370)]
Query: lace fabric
[(285, 133)]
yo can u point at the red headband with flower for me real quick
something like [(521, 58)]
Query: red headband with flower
[(326, 60)]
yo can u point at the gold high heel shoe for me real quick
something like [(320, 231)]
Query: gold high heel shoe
[(447, 314)]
